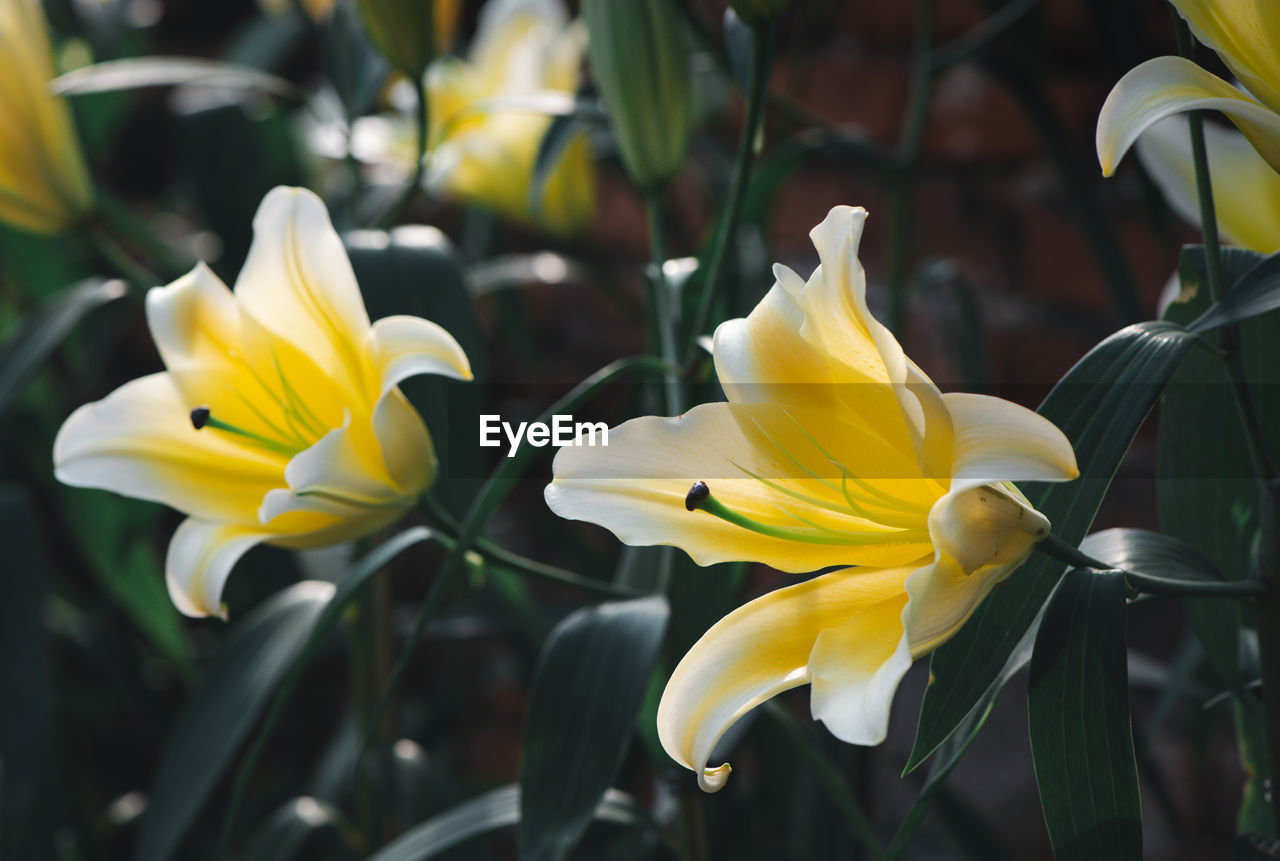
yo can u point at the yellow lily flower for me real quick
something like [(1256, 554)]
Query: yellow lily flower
[(1246, 190), (484, 133), (833, 449), (44, 184), (278, 419), (1244, 34)]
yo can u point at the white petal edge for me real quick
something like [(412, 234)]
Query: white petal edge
[(1164, 86), (998, 440), (200, 558), (403, 346), (759, 650)]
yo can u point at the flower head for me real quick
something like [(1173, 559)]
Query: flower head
[(484, 150), (278, 419), (44, 184), (488, 115), (1244, 35), (833, 449)]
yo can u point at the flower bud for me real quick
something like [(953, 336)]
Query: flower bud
[(44, 184), (638, 59), (757, 12), (407, 32)]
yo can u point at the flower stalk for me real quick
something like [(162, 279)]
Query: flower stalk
[(757, 88)]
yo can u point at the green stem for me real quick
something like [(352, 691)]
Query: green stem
[(120, 260), (661, 305), (422, 117), (123, 223), (757, 86), (908, 155), (1138, 582)]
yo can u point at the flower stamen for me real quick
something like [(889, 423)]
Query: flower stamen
[(202, 417), (700, 498)]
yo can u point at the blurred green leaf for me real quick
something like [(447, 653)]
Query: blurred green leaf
[(587, 688), (23, 354), (1152, 554), (498, 808), (297, 660), (135, 72), (29, 761), (561, 131), (206, 733), (352, 64), (1099, 404), (1078, 713)]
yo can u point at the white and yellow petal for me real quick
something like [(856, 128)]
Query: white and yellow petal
[(769, 645), (200, 557), (1165, 86), (297, 282), (1243, 34), (761, 465), (1246, 190), (998, 440), (139, 442)]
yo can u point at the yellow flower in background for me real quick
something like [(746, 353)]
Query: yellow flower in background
[(278, 419), (1246, 35), (833, 449), (1246, 190), (44, 184), (485, 129)]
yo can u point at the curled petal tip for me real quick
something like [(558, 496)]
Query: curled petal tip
[(714, 779)]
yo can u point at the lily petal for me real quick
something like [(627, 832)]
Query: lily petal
[(765, 647), (201, 555), (138, 441), (1246, 190), (1242, 33), (403, 346), (408, 454), (1165, 86), (298, 283), (998, 440), (346, 465), (636, 488), (985, 526), (194, 320)]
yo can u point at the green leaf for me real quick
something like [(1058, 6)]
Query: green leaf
[(587, 688), (296, 663), (1152, 554), (206, 733), (29, 794), (351, 63), (1099, 405), (136, 72), (1251, 286), (498, 808), (1078, 713), (288, 830), (41, 333), (951, 750)]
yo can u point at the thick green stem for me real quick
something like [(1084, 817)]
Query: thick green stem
[(908, 155), (757, 87), (661, 305), (422, 118), (1138, 582)]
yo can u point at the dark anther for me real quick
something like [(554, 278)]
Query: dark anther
[(697, 495), (199, 417)]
